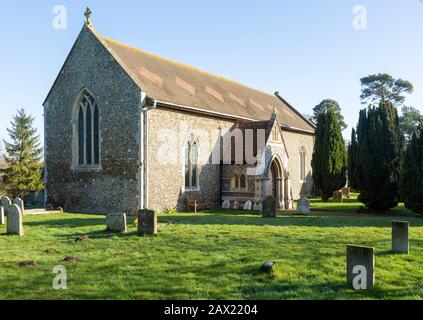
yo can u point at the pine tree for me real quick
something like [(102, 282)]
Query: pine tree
[(379, 156), (411, 183), (329, 156), (23, 157)]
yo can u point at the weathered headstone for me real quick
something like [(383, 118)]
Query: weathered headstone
[(226, 204), (147, 222), (400, 233), (268, 267), (14, 221), (338, 196), (248, 205), (116, 222), (303, 206), (2, 221), (360, 267), (19, 202), (5, 203), (269, 207), (236, 205)]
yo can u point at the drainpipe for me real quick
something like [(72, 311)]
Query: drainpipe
[(147, 105)]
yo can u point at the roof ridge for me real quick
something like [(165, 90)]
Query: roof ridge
[(180, 64)]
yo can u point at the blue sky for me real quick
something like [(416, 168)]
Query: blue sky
[(306, 49)]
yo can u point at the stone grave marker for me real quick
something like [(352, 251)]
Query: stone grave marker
[(360, 267), (116, 222), (147, 222), (19, 202), (269, 207), (338, 196), (303, 206), (248, 205), (14, 221), (2, 220), (5, 203), (400, 233), (226, 204)]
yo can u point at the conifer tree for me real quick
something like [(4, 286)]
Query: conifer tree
[(353, 176), (23, 157), (411, 183), (329, 156)]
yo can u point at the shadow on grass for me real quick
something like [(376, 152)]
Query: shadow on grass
[(69, 223)]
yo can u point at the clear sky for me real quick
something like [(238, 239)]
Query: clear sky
[(309, 50)]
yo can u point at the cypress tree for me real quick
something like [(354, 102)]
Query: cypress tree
[(411, 183), (379, 147), (329, 156), (353, 176), (23, 157)]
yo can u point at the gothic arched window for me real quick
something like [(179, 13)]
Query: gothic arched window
[(191, 171), (88, 130), (302, 164)]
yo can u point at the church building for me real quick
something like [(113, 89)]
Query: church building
[(127, 130)]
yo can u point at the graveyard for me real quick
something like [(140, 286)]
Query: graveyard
[(209, 255)]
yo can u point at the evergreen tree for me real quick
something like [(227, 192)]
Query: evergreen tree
[(410, 120), (23, 157), (411, 184), (329, 156), (353, 177), (379, 156), (327, 104)]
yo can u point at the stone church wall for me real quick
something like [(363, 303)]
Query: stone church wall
[(113, 188)]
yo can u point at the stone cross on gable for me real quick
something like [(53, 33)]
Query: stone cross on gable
[(88, 13)]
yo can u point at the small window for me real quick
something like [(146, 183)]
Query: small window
[(191, 171), (239, 182), (242, 182)]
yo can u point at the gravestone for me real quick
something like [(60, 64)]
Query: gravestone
[(360, 267), (236, 205), (226, 204), (400, 232), (269, 207), (2, 216), (19, 202), (248, 205), (5, 203), (116, 222), (338, 196), (303, 206), (268, 267), (14, 221), (147, 222)]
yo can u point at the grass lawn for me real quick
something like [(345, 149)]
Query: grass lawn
[(349, 205), (207, 256)]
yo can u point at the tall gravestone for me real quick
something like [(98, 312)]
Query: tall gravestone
[(20, 203), (360, 267), (269, 207), (400, 234), (116, 222), (147, 222), (303, 206), (2, 221), (14, 220), (5, 203)]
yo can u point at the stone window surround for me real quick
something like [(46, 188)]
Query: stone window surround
[(75, 141), (237, 178), (191, 139), (302, 162)]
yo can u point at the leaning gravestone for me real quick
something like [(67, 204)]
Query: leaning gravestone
[(269, 207), (236, 205), (116, 222), (147, 222), (303, 206), (338, 196), (19, 202), (1, 216), (14, 221), (5, 203), (226, 204), (360, 267), (400, 231), (248, 205)]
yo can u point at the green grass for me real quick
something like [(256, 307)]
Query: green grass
[(207, 256), (349, 205)]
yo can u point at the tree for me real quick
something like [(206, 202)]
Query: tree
[(379, 155), (353, 177), (329, 156), (411, 184), (410, 120), (329, 104), (383, 87), (23, 157)]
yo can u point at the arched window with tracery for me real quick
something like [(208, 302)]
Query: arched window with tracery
[(302, 164), (88, 131), (191, 170)]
